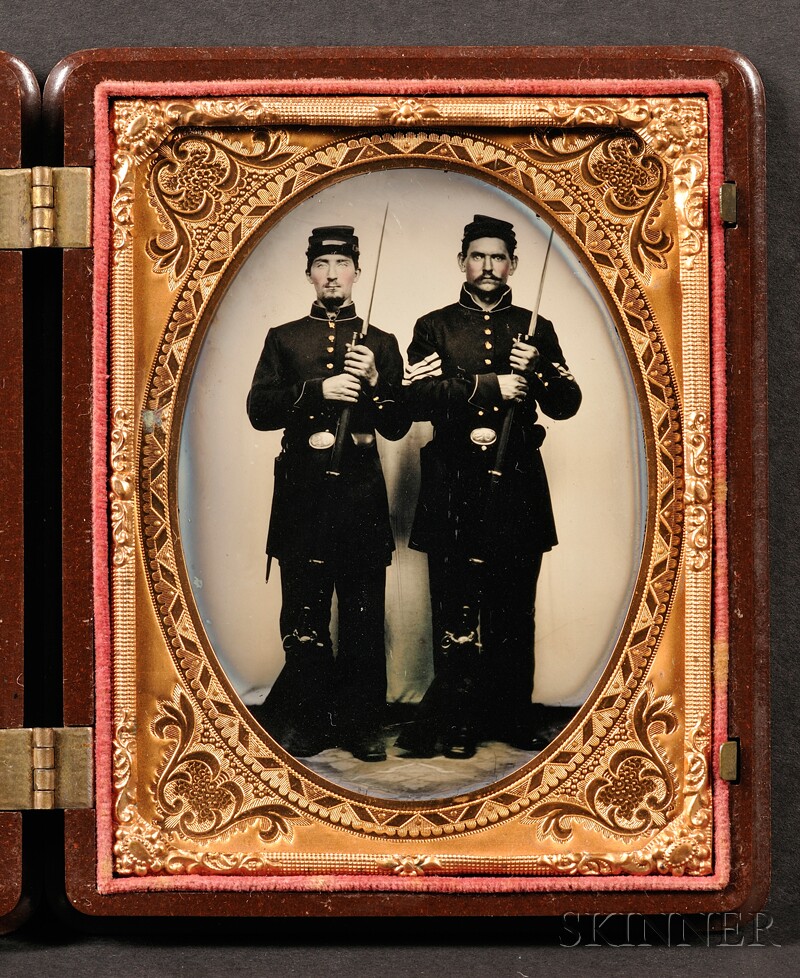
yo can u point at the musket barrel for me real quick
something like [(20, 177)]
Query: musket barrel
[(496, 472), (343, 426)]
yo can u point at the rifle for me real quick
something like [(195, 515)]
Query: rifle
[(498, 469), (465, 632), (308, 627), (343, 425)]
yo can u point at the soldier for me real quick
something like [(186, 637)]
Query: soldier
[(468, 363), (329, 531)]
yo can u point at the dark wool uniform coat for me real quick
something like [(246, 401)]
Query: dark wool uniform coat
[(350, 514), (474, 346)]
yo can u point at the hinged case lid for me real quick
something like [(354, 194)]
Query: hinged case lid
[(45, 207), (45, 768), (180, 93), (19, 117), (183, 86)]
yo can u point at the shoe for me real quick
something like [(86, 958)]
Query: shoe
[(299, 746), (368, 748), (460, 742), (304, 744), (414, 745)]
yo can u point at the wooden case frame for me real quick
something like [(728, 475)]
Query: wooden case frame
[(92, 78), (19, 111)]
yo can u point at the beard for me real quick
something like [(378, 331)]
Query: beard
[(332, 302)]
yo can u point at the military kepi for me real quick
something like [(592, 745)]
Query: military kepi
[(482, 226), (337, 239)]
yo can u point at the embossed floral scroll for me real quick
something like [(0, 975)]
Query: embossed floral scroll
[(625, 792), (207, 634)]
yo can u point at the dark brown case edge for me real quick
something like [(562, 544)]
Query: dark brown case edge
[(69, 101), (20, 101)]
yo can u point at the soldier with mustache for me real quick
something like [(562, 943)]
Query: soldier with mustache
[(468, 362)]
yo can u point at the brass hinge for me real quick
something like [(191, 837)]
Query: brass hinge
[(46, 207), (729, 760), (728, 204), (46, 767)]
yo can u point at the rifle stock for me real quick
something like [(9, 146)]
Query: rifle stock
[(495, 479), (498, 468), (314, 618), (343, 427), (342, 431)]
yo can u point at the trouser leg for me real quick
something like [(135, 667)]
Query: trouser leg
[(306, 592), (453, 696), (437, 575), (507, 656), (299, 709), (361, 655)]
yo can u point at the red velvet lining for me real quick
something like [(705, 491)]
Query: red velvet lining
[(107, 883)]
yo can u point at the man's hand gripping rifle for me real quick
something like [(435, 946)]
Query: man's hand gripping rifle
[(315, 615), (484, 533)]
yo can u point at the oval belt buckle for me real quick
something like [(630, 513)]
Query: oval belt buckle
[(321, 440), (483, 436)]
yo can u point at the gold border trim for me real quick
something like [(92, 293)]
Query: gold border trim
[(676, 130)]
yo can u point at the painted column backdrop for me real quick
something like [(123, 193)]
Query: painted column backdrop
[(595, 461)]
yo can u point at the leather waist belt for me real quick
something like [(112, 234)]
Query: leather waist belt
[(322, 440)]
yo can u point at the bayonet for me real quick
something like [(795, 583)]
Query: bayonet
[(343, 426), (498, 468)]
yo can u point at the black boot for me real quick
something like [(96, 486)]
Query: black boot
[(297, 710), (461, 651), (366, 746)]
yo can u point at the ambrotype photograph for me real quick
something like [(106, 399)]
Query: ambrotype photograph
[(410, 512), (419, 478)]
